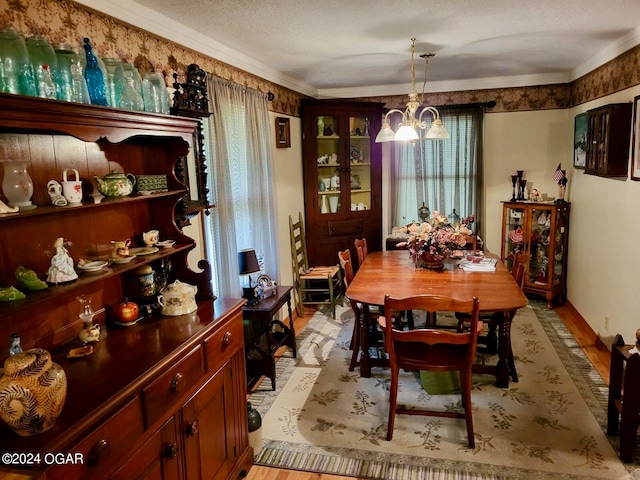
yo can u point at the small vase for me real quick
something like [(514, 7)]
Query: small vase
[(17, 185), (430, 261), (333, 203), (32, 392)]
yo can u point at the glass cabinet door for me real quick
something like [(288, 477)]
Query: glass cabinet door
[(514, 235), (359, 164), (328, 146), (541, 249)]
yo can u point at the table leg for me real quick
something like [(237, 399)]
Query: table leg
[(292, 331), (504, 349), (365, 365)]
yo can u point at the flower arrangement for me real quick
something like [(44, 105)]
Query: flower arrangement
[(436, 238)]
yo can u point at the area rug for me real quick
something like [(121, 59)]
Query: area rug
[(550, 424)]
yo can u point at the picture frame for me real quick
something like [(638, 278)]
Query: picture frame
[(283, 133), (635, 142), (580, 140)]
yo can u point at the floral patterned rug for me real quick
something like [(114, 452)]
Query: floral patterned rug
[(550, 424)]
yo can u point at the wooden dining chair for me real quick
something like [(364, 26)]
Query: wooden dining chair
[(361, 249), (432, 349), (373, 311), (519, 269), (312, 284)]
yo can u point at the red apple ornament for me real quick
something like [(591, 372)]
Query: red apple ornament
[(127, 311)]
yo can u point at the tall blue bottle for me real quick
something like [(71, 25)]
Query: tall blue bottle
[(94, 77)]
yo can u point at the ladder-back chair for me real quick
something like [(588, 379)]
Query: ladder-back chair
[(313, 285)]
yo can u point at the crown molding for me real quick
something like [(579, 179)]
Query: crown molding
[(618, 47), (448, 86), (145, 18)]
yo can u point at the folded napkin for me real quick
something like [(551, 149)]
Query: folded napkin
[(484, 265)]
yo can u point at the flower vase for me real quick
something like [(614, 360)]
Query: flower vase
[(429, 261), (17, 185), (333, 203), (32, 392)]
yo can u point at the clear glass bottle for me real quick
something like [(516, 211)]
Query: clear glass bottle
[(41, 53), (62, 74), (131, 99), (16, 72), (94, 76), (46, 86), (79, 89)]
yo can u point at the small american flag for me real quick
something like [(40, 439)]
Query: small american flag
[(558, 174)]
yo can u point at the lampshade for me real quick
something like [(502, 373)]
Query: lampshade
[(248, 261), (410, 124)]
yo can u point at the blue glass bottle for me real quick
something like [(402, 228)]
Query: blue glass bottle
[(94, 77)]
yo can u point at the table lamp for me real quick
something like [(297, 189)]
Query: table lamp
[(249, 264)]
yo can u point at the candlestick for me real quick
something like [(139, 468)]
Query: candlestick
[(514, 179)]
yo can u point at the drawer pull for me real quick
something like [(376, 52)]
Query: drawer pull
[(101, 449), (226, 339), (177, 383), (171, 451), (192, 429)]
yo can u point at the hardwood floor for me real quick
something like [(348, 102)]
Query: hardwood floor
[(594, 349)]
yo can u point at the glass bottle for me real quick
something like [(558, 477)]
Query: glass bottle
[(46, 86), (94, 76), (16, 72), (62, 74), (79, 90), (115, 81), (131, 99), (41, 53)]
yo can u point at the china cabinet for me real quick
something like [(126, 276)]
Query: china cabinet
[(164, 397), (607, 146), (542, 231), (342, 177)]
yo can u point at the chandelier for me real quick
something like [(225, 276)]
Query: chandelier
[(410, 124)]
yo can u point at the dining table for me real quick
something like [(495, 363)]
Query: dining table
[(393, 273)]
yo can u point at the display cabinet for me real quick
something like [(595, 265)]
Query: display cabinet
[(542, 231), (342, 177), (128, 402), (608, 135)]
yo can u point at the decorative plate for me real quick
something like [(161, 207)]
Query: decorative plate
[(92, 266), (123, 259), (143, 250)]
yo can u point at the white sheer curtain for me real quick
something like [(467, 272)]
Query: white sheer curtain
[(444, 175), (241, 182)]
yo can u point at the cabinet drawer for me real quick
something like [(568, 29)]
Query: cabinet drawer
[(105, 447), (345, 227), (169, 387), (224, 342)]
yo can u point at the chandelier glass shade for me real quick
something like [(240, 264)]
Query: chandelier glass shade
[(411, 124)]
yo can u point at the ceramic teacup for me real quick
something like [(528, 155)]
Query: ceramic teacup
[(151, 237)]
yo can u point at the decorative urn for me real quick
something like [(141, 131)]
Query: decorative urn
[(116, 184), (32, 392)]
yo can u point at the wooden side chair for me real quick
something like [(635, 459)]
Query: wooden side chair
[(519, 269), (432, 349), (373, 311), (361, 249), (312, 285)]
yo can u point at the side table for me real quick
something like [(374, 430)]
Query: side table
[(624, 396), (264, 335)]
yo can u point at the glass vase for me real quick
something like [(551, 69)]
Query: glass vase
[(16, 72), (17, 185)]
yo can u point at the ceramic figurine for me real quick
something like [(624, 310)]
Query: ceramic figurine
[(9, 294), (4, 208), (61, 269)]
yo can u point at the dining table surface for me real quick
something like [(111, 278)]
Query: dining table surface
[(393, 272)]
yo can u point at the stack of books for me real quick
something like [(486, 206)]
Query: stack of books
[(483, 265)]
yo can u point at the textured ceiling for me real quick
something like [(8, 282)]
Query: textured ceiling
[(350, 45)]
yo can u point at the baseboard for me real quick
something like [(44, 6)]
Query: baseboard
[(584, 326)]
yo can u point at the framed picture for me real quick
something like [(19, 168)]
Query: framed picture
[(580, 141), (283, 133), (635, 152)]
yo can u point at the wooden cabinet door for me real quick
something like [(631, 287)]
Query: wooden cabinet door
[(157, 459), (207, 428)]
